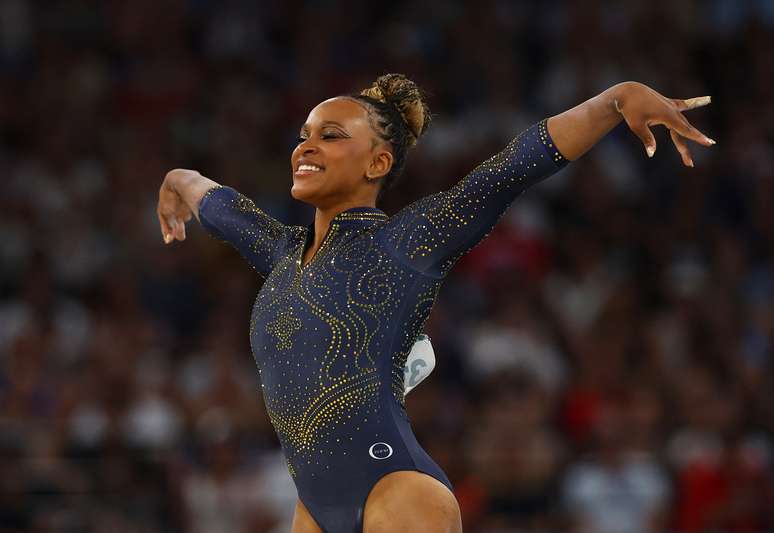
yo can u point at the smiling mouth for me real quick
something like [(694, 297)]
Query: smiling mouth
[(304, 170)]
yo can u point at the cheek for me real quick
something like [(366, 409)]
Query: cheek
[(345, 166), (355, 160)]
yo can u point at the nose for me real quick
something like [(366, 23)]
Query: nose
[(308, 147), (305, 147)]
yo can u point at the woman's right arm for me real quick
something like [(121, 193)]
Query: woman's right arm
[(179, 198), (224, 213)]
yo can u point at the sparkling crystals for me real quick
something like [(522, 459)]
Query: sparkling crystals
[(331, 337)]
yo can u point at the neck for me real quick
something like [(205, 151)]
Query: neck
[(324, 215)]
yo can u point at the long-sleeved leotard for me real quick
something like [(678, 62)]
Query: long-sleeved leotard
[(330, 338)]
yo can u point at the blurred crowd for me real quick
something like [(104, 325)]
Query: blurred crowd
[(605, 356)]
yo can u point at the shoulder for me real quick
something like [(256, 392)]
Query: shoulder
[(296, 234)]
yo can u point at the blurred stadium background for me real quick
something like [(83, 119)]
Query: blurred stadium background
[(605, 356)]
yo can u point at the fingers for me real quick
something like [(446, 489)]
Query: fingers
[(166, 229), (170, 235), (679, 123), (679, 127), (646, 136), (173, 213), (685, 129), (171, 228), (682, 148), (691, 103), (180, 230)]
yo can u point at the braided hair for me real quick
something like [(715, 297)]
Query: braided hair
[(398, 114)]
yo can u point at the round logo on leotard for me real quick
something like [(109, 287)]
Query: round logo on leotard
[(380, 450)]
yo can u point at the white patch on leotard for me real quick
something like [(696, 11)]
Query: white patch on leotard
[(419, 363)]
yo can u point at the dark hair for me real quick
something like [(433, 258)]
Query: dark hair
[(398, 113)]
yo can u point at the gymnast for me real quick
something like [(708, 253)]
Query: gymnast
[(345, 297)]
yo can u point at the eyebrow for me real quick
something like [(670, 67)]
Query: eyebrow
[(324, 123)]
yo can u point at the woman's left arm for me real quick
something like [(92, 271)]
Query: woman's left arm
[(432, 233), (578, 129)]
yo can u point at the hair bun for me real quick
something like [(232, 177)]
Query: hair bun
[(405, 95)]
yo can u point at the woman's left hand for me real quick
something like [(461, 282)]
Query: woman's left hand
[(642, 107)]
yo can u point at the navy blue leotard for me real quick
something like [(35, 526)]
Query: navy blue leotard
[(330, 338)]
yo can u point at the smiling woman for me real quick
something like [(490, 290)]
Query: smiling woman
[(345, 298)]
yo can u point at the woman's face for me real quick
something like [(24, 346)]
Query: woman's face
[(339, 159)]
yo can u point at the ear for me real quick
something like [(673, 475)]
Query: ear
[(380, 165)]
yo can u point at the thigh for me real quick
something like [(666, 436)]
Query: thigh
[(303, 521), (411, 502)]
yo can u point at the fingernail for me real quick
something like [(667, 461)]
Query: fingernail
[(167, 238), (690, 163), (710, 140), (650, 150), (698, 101)]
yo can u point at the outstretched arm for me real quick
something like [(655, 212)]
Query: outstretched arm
[(578, 129), (224, 213), (435, 231)]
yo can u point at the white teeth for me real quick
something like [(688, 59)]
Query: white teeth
[(311, 168)]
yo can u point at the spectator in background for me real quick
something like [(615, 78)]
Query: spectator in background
[(667, 271), (617, 488)]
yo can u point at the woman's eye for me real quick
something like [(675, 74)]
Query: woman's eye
[(299, 140)]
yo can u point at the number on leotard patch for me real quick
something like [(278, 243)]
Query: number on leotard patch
[(419, 363), (416, 366)]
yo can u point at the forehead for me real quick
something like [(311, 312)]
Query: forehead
[(345, 111)]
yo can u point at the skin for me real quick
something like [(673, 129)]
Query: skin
[(338, 136)]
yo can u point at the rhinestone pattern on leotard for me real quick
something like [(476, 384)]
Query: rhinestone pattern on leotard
[(330, 338)]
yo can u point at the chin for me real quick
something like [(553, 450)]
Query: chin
[(302, 193)]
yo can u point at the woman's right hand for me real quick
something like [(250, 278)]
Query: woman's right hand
[(172, 210), (179, 198)]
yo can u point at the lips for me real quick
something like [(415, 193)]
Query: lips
[(305, 167)]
